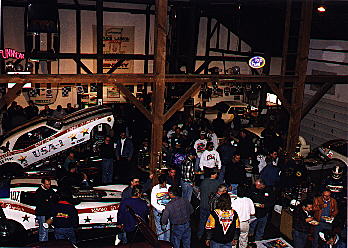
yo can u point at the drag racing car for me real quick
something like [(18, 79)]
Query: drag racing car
[(97, 207), (328, 155), (43, 138)]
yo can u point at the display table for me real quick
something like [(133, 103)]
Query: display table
[(286, 223), (273, 243)]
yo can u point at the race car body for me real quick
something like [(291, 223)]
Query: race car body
[(97, 208), (41, 138)]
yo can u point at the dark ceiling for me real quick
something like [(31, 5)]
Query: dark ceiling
[(261, 22)]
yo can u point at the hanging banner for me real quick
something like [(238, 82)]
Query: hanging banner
[(116, 40)]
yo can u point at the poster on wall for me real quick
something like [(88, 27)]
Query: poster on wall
[(116, 40), (113, 92)]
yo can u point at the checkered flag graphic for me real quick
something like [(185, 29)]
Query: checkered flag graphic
[(32, 93), (65, 92)]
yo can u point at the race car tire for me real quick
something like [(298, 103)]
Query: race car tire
[(17, 233)]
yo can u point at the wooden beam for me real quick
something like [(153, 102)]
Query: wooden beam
[(207, 41), (132, 99), (180, 103), (83, 66), (301, 69), (315, 99), (279, 94), (115, 66), (172, 78), (10, 95), (203, 66), (159, 84)]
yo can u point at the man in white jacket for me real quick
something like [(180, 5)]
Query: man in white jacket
[(199, 146), (210, 158), (245, 209), (159, 199)]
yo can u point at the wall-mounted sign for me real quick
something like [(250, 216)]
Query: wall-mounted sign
[(257, 62), (10, 53)]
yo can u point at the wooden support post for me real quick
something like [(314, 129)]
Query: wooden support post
[(100, 27), (159, 85), (180, 103), (207, 42), (315, 99), (78, 34), (301, 69)]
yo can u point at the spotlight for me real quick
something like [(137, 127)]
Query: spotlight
[(321, 9)]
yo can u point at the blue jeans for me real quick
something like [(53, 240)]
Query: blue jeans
[(321, 227), (107, 170), (203, 217), (222, 174), (43, 232), (214, 244), (187, 190), (259, 224), (162, 235), (300, 239), (181, 233), (66, 233)]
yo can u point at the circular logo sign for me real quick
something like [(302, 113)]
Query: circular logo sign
[(257, 62)]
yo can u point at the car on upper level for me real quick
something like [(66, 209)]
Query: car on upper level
[(335, 150), (42, 138), (228, 110), (302, 148), (328, 155)]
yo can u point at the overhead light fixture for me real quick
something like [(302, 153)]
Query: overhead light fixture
[(321, 8)]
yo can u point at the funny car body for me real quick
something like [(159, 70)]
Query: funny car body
[(97, 207), (42, 138)]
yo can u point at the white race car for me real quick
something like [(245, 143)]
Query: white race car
[(41, 138), (98, 206)]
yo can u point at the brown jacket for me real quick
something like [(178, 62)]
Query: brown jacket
[(318, 206)]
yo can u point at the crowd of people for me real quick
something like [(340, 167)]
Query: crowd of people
[(216, 168), (16, 115)]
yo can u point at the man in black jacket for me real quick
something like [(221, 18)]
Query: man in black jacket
[(263, 199), (107, 154), (302, 218), (44, 197), (65, 219), (124, 155)]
